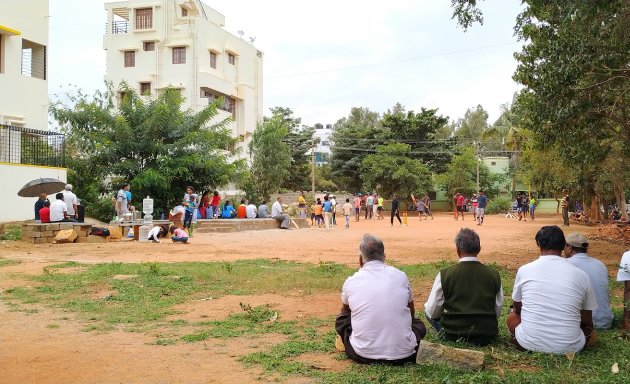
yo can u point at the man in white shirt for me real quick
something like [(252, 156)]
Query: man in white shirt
[(251, 210), (553, 301), (575, 252), (71, 201), (377, 322), (276, 213), (624, 275), (122, 201), (58, 209)]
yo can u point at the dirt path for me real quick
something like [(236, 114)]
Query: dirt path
[(49, 347)]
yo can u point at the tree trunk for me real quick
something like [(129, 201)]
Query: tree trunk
[(595, 214), (620, 196)]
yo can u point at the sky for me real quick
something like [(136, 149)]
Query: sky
[(323, 58)]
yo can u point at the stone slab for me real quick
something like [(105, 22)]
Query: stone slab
[(63, 226), (66, 236), (463, 359), (52, 227)]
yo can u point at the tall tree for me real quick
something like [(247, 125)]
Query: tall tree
[(271, 158), (473, 125), (461, 175), (150, 143), (391, 170)]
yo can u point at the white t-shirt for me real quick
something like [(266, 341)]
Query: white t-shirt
[(57, 209), (276, 209), (552, 292), (121, 197), (251, 211), (378, 295), (624, 268), (71, 200), (155, 233)]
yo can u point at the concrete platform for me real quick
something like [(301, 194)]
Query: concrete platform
[(238, 225)]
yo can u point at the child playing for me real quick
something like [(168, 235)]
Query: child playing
[(347, 211), (155, 233), (191, 205), (178, 235), (319, 213)]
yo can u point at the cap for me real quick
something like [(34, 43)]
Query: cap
[(577, 240)]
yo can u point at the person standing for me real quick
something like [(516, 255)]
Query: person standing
[(519, 206), (623, 275), (427, 204), (532, 207), (333, 200), (564, 204), (379, 207), (302, 205), (216, 199), (553, 301), (395, 210), (122, 202), (279, 216), (39, 204), (347, 212), (466, 298), (420, 208), (575, 252), (377, 322), (71, 201), (369, 204), (191, 208), (461, 205), (482, 201), (357, 206), (475, 204), (327, 212)]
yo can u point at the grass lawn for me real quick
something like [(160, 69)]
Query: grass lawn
[(142, 296)]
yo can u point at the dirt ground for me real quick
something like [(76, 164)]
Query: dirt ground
[(31, 353)]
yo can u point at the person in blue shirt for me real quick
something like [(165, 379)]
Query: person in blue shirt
[(327, 212), (190, 205), (228, 211), (482, 201)]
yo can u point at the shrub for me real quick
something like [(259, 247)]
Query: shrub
[(501, 204), (11, 232), (101, 209)]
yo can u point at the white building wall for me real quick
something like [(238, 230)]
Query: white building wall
[(23, 99), (200, 32), (15, 176)]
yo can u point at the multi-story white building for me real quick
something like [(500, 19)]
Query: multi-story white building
[(322, 150), (27, 149), (153, 44)]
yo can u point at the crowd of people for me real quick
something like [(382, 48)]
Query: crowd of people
[(63, 209), (559, 301)]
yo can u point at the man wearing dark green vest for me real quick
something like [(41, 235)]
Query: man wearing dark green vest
[(466, 298)]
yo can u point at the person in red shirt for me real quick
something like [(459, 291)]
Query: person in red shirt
[(44, 213), (215, 205), (241, 210), (461, 205)]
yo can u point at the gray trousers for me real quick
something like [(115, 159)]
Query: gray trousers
[(284, 220)]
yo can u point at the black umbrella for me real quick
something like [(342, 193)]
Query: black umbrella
[(45, 185)]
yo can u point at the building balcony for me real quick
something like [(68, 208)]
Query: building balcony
[(19, 145)]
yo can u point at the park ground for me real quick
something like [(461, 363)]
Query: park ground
[(255, 306)]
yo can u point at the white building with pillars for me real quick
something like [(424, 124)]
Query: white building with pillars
[(153, 44), (28, 150)]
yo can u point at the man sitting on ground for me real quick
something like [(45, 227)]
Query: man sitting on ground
[(276, 213), (466, 298), (553, 301), (575, 252), (377, 322)]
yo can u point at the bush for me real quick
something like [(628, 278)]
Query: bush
[(11, 232), (501, 204), (101, 209)]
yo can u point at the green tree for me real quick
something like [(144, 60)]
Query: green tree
[(300, 140), (271, 158), (461, 175), (151, 143), (390, 170), (472, 126), (354, 137)]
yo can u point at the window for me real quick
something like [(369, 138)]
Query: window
[(145, 89), (130, 58), (123, 97), (493, 163), (33, 60), (179, 55), (231, 58), (184, 12), (144, 18), (148, 46), (213, 60)]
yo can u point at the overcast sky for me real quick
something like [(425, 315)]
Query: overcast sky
[(324, 57)]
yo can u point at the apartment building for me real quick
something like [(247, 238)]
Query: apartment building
[(153, 44), (28, 150), (323, 149)]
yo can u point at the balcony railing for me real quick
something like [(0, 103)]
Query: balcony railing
[(120, 27), (20, 145)]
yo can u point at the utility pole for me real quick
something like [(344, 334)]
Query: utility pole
[(313, 166), (478, 145)]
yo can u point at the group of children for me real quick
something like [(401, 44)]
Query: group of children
[(178, 235)]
